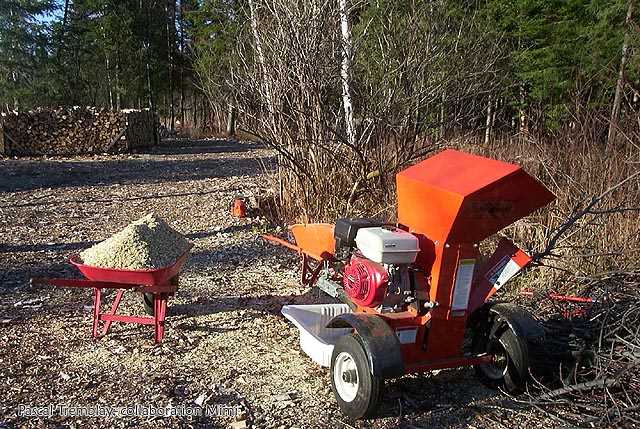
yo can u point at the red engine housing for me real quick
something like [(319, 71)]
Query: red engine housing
[(365, 281)]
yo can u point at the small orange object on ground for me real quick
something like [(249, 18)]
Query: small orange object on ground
[(239, 208)]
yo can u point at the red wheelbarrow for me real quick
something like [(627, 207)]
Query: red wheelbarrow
[(156, 285)]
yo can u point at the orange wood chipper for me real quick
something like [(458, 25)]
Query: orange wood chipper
[(419, 292)]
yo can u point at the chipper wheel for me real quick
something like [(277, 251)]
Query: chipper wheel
[(509, 369), (356, 389)]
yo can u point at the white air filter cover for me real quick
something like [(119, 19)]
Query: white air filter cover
[(387, 245)]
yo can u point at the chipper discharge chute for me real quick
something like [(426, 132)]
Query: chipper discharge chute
[(418, 291)]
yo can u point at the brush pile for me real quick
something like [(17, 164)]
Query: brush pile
[(602, 387), (147, 243)]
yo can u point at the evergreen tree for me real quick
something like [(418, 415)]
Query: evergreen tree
[(23, 50)]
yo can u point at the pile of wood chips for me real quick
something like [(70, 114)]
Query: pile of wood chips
[(147, 243)]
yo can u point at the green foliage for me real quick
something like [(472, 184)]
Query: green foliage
[(562, 48), (216, 27), (536, 56), (429, 53), (104, 49), (23, 49), (94, 54)]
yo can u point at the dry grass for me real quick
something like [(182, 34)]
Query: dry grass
[(607, 240), (575, 170), (336, 180)]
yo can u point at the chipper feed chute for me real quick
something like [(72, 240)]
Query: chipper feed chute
[(456, 197), (451, 202)]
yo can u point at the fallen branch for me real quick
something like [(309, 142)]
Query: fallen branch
[(593, 384)]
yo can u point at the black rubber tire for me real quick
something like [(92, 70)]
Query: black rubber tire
[(515, 371), (147, 302), (370, 387)]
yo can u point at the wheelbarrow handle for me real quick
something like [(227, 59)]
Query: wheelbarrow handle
[(169, 288), (281, 242), (80, 283)]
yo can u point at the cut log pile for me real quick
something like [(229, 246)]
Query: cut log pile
[(75, 130)]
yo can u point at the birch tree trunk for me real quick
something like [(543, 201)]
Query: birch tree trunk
[(522, 115), (14, 75), (118, 99), (493, 116), (345, 72), (109, 84), (231, 122), (487, 130), (147, 66), (170, 21), (261, 60), (615, 110), (181, 26)]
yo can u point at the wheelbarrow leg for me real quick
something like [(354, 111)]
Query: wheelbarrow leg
[(114, 308), (305, 269), (160, 308), (97, 292), (309, 273)]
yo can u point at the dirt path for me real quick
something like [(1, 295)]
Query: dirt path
[(226, 342)]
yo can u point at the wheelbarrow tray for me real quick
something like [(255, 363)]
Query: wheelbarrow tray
[(147, 277), (315, 239)]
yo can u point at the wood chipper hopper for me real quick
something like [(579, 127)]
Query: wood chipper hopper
[(419, 291)]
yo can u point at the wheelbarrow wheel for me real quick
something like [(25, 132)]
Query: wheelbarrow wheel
[(147, 302), (509, 368), (147, 298), (357, 391)]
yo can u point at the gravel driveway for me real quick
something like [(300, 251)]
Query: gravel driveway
[(226, 345)]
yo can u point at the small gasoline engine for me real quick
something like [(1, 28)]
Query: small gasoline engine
[(378, 271)]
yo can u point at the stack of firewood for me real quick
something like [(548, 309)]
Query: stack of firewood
[(141, 129), (75, 130)]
